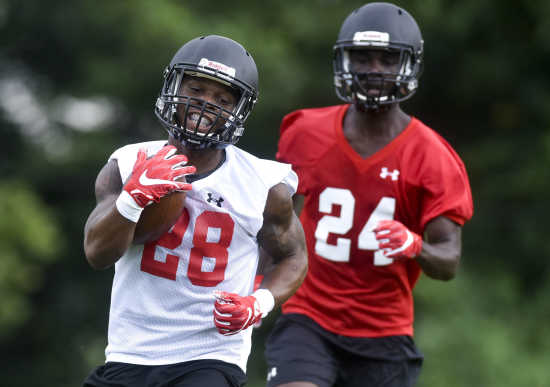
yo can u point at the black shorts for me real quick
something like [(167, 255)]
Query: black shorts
[(298, 349), (212, 373)]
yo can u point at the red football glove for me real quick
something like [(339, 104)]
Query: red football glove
[(233, 313), (151, 179), (396, 240)]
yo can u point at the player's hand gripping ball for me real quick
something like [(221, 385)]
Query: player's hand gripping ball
[(154, 195), (158, 217)]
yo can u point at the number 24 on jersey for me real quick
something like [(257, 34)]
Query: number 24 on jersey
[(340, 252)]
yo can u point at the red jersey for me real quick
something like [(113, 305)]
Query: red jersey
[(351, 288)]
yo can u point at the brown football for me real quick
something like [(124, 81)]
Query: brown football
[(157, 218)]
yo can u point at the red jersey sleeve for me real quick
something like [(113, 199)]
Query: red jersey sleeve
[(446, 186), (303, 141)]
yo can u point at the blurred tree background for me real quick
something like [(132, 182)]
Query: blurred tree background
[(79, 78)]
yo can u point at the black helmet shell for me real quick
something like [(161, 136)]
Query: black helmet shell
[(378, 26), (220, 59)]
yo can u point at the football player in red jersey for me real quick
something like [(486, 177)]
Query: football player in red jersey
[(182, 306), (382, 198)]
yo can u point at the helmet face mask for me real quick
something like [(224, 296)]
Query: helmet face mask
[(378, 27), (197, 123)]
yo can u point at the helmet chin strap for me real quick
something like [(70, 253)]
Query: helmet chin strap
[(189, 144), (373, 104), (205, 145), (365, 108)]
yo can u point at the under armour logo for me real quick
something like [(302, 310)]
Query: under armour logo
[(211, 199), (385, 173), (272, 373)]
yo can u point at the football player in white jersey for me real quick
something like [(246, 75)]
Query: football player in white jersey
[(182, 306)]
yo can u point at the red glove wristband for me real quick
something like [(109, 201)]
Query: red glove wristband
[(233, 313)]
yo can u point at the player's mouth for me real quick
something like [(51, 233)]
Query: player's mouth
[(374, 92), (373, 87), (196, 121)]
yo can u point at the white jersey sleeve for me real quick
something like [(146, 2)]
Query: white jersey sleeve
[(162, 298), (127, 156)]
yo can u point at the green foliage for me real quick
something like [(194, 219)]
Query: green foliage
[(475, 333), (29, 242), (484, 88)]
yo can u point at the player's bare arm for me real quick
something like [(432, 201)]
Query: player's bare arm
[(110, 228), (266, 263), (107, 234), (441, 249), (298, 201), (282, 238), (438, 253)]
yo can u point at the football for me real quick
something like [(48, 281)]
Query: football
[(157, 218)]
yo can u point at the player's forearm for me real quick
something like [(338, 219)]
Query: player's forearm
[(107, 236), (286, 276), (439, 261), (282, 239)]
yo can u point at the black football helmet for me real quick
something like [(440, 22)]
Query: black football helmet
[(217, 58), (380, 26)]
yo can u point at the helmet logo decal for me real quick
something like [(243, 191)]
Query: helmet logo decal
[(374, 38), (208, 64)]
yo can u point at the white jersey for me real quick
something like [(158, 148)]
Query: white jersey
[(162, 299)]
